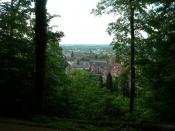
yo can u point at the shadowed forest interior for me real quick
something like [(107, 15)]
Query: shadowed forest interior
[(131, 80)]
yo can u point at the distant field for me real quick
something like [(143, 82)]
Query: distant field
[(87, 48), (86, 45)]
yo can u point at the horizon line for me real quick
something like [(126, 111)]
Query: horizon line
[(84, 44)]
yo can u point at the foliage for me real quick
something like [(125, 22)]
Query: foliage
[(120, 28), (16, 54), (160, 62), (55, 76), (101, 81), (77, 94), (83, 99), (109, 83), (123, 82), (154, 35), (17, 58)]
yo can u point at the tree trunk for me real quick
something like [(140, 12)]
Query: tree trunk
[(41, 42), (109, 83), (132, 88), (101, 81)]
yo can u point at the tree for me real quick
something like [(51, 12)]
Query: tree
[(16, 54), (109, 83), (41, 42), (124, 37), (17, 59), (158, 57), (132, 90), (55, 71), (101, 81), (123, 82)]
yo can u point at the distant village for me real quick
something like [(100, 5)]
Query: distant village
[(96, 66)]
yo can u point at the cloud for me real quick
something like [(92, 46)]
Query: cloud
[(79, 26)]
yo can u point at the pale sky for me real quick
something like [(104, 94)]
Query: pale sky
[(79, 26)]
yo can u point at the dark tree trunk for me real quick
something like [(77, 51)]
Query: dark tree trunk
[(132, 88), (109, 83), (101, 81), (41, 42)]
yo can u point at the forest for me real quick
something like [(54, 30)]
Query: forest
[(33, 82)]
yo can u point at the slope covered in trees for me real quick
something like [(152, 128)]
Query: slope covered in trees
[(17, 52), (154, 47), (32, 66)]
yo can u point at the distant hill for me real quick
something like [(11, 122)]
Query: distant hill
[(78, 48), (86, 45)]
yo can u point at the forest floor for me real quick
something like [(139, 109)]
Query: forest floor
[(17, 127), (51, 125)]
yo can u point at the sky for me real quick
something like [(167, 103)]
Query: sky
[(78, 25)]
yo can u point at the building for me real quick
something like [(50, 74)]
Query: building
[(103, 68)]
